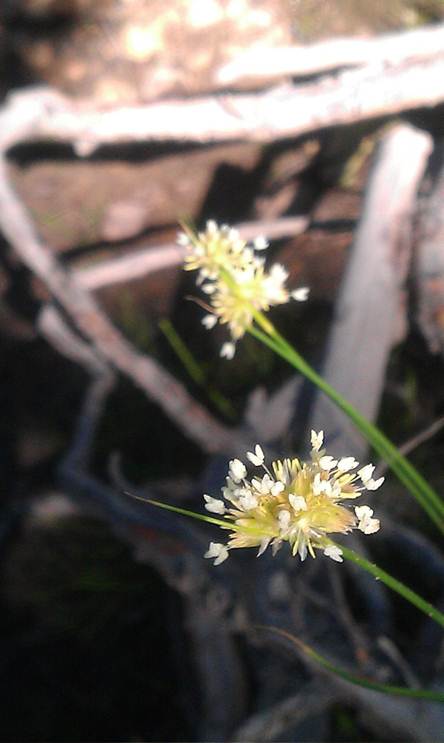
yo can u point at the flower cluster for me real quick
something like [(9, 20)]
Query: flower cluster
[(234, 278), (294, 501)]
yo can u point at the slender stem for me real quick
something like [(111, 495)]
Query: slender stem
[(406, 473), (401, 691), (425, 606)]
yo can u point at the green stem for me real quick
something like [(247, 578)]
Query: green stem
[(394, 584), (370, 567), (400, 691), (194, 369), (407, 474)]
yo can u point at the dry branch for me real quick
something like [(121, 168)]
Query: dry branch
[(284, 111), (265, 65), (369, 306), (146, 261), (429, 265), (158, 384)]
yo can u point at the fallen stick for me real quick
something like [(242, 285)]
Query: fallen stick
[(429, 265), (265, 65), (279, 113), (149, 260), (368, 310)]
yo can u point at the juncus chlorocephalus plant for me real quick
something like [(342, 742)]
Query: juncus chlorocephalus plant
[(234, 278), (293, 501)]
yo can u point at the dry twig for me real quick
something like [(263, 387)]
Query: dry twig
[(284, 111), (147, 261), (265, 65)]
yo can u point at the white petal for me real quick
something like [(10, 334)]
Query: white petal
[(236, 470), (317, 484), (366, 472), (374, 484), (317, 440), (261, 243), (301, 294), (182, 239), (209, 321), (366, 524), (219, 551), (214, 505), (228, 350), (335, 553), (263, 546), (212, 227), (277, 488), (209, 288), (327, 463), (278, 273), (298, 502), (371, 526), (363, 512), (302, 551), (284, 518), (248, 501), (347, 463), (258, 457)]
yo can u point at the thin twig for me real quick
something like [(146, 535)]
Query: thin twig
[(157, 258), (414, 442)]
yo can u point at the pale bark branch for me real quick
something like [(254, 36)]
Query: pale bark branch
[(265, 65), (158, 258), (285, 111)]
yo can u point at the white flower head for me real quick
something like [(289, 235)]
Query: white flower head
[(218, 551), (299, 502), (257, 458), (235, 278)]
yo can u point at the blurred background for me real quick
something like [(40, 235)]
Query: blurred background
[(319, 124)]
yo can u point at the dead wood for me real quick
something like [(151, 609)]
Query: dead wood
[(282, 112), (429, 266), (147, 261), (261, 66), (369, 307)]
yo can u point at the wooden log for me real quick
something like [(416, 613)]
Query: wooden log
[(368, 309), (262, 66), (429, 265), (282, 112)]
